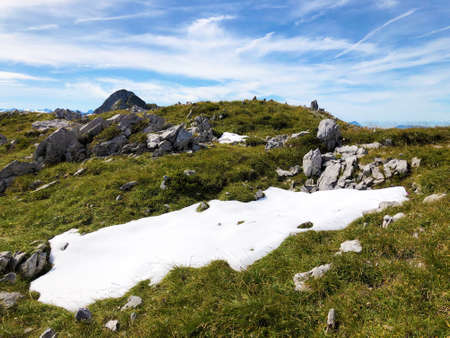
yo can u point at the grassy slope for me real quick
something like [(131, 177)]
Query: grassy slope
[(381, 291)]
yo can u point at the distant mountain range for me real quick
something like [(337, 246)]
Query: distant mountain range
[(401, 124), (43, 110)]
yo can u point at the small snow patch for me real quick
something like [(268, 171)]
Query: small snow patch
[(231, 138)]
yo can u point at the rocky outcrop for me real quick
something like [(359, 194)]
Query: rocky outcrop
[(281, 140), (329, 178), (121, 99), (3, 140), (126, 122), (312, 163), (69, 115), (91, 129), (314, 105), (175, 138), (9, 299), (156, 123), (329, 133), (201, 129), (110, 147), (60, 146), (14, 169), (44, 126), (396, 167)]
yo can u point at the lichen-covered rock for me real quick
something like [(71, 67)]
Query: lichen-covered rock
[(395, 167), (329, 178), (312, 163), (34, 265), (329, 133), (201, 129)]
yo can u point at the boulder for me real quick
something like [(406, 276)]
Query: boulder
[(110, 147), (377, 175), (34, 265), (133, 302), (183, 140), (5, 260), (128, 186), (201, 129), (68, 114), (395, 167), (259, 195), (415, 162), (329, 133), (374, 145), (331, 320), (277, 142), (312, 163), (9, 278), (3, 140), (346, 151), (112, 325), (434, 198), (153, 141), (9, 299), (83, 315), (164, 147), (300, 279), (350, 246), (17, 259), (398, 216), (44, 126), (91, 129), (314, 105), (329, 178), (49, 333), (60, 146), (121, 99), (289, 173), (349, 168), (17, 168), (156, 123), (127, 122), (134, 148), (202, 207)]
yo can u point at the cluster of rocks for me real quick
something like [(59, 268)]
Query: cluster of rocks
[(281, 140), (14, 169), (28, 266), (70, 115)]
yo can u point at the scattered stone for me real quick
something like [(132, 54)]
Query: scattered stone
[(202, 206), (121, 100), (9, 299), (395, 167), (128, 186), (80, 172), (415, 162), (288, 173), (113, 325), (312, 163), (165, 183), (133, 317), (118, 198), (351, 246), (277, 142), (49, 333), (259, 195), (133, 302), (9, 278), (189, 172), (306, 225), (434, 198), (60, 146), (329, 133), (387, 220), (300, 279), (63, 246), (5, 260), (3, 140), (314, 105), (331, 320), (45, 186), (398, 216), (83, 315)]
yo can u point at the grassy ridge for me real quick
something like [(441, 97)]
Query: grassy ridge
[(398, 285)]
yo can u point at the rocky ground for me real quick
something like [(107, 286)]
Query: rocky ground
[(386, 274)]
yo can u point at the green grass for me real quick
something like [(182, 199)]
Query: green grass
[(398, 285)]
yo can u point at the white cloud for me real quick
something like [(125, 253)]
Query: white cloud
[(386, 3), (436, 31), (42, 27), (8, 76), (376, 30), (310, 7), (208, 27), (119, 17)]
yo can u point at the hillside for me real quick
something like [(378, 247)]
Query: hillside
[(396, 286)]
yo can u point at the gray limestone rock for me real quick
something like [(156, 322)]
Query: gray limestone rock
[(312, 163), (329, 133)]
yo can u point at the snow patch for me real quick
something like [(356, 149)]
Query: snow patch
[(108, 262), (231, 138)]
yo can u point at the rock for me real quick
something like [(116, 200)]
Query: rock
[(328, 179), (136, 148), (329, 133), (153, 141), (128, 186), (164, 147), (331, 320), (9, 299), (189, 172), (5, 260), (3, 186), (374, 145), (49, 333), (277, 142), (17, 168), (183, 140), (126, 122), (165, 182), (289, 173), (387, 220), (91, 129), (350, 246), (113, 325), (388, 142), (121, 99), (415, 162), (300, 279), (63, 246), (110, 147), (302, 133), (3, 140), (346, 151), (309, 186), (133, 302), (44, 126), (349, 167), (314, 105), (202, 206), (60, 146), (259, 195), (434, 198), (306, 225), (9, 278), (156, 123), (232, 138), (119, 198), (133, 317), (45, 186), (34, 265), (201, 129), (83, 315), (80, 172), (388, 204), (17, 259), (312, 163), (68, 114), (395, 167), (398, 216)]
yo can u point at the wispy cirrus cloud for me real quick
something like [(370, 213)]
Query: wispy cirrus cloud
[(375, 31), (119, 17), (436, 31), (386, 3), (42, 27)]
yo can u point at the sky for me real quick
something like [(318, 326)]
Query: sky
[(364, 60)]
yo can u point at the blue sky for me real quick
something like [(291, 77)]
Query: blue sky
[(365, 60)]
